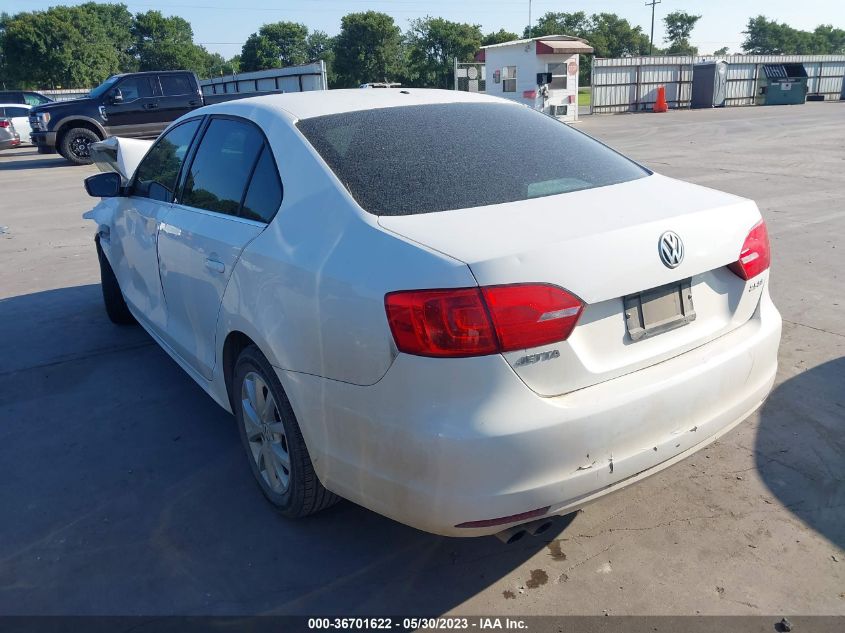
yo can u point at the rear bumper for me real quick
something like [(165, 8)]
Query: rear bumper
[(43, 139), (441, 442)]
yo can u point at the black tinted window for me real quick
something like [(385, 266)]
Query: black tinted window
[(156, 175), (175, 85), (221, 166), (419, 159), (264, 195), (16, 112), (135, 88), (12, 97)]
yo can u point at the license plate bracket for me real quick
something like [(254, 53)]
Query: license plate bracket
[(659, 310)]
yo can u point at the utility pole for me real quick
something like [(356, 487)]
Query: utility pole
[(651, 43), (529, 19)]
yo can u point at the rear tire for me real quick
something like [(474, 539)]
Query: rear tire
[(272, 440), (75, 145), (113, 300)]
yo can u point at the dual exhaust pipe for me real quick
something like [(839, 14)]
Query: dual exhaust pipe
[(515, 533)]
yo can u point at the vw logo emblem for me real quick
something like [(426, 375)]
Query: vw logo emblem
[(671, 249)]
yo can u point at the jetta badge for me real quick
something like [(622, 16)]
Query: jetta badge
[(671, 249)]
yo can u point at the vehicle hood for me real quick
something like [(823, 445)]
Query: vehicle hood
[(57, 107), (598, 243)]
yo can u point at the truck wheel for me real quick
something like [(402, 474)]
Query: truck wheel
[(75, 145), (270, 434), (112, 296)]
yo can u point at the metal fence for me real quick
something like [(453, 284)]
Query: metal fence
[(65, 95), (291, 79), (629, 84)]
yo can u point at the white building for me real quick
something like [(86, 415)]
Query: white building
[(512, 70)]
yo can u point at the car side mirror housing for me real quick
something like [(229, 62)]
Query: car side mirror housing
[(105, 185), (117, 96)]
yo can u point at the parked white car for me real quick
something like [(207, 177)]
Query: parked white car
[(18, 113), (445, 307)]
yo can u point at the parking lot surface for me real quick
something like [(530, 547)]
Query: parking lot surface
[(124, 489)]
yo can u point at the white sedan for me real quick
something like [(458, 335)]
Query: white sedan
[(18, 114), (445, 307)]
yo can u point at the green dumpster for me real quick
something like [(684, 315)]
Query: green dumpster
[(782, 84)]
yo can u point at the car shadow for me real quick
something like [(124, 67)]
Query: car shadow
[(800, 447), (19, 159), (130, 494)]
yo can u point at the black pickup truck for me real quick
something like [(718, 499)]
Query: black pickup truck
[(135, 105)]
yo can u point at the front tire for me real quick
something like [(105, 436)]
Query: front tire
[(76, 145), (113, 300), (273, 441)]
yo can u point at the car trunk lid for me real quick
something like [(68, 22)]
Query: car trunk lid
[(602, 245)]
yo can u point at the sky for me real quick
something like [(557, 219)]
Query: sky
[(222, 26)]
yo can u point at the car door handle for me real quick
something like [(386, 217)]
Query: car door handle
[(193, 102), (150, 106), (215, 265)]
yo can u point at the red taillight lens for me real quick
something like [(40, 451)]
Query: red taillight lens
[(479, 321), (531, 315), (755, 256), (4, 123), (440, 322)]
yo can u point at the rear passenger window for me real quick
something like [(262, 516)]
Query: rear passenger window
[(172, 85), (16, 112), (157, 173), (264, 196), (221, 167)]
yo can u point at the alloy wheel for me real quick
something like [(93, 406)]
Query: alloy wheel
[(265, 432)]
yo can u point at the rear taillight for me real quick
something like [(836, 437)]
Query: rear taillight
[(755, 255), (4, 123), (479, 321)]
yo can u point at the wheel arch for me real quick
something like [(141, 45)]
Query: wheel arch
[(73, 122), (236, 342)]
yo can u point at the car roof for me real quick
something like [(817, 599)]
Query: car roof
[(306, 105), (15, 105)]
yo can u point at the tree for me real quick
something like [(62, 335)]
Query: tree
[(62, 46), (764, 36), (275, 45), (117, 23), (679, 26), (561, 23), (498, 37), (368, 48), (434, 43), (319, 45), (217, 65), (166, 43), (721, 51)]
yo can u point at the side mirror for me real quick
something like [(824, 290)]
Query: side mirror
[(105, 185), (117, 96)]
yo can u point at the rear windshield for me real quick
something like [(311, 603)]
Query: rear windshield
[(418, 159)]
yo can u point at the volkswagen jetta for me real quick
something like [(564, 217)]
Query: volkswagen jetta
[(445, 307)]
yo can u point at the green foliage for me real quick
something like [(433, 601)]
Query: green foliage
[(63, 46), (319, 45), (561, 23), (764, 36), (368, 48), (498, 37), (679, 26), (274, 46), (433, 44), (166, 43), (721, 51)]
